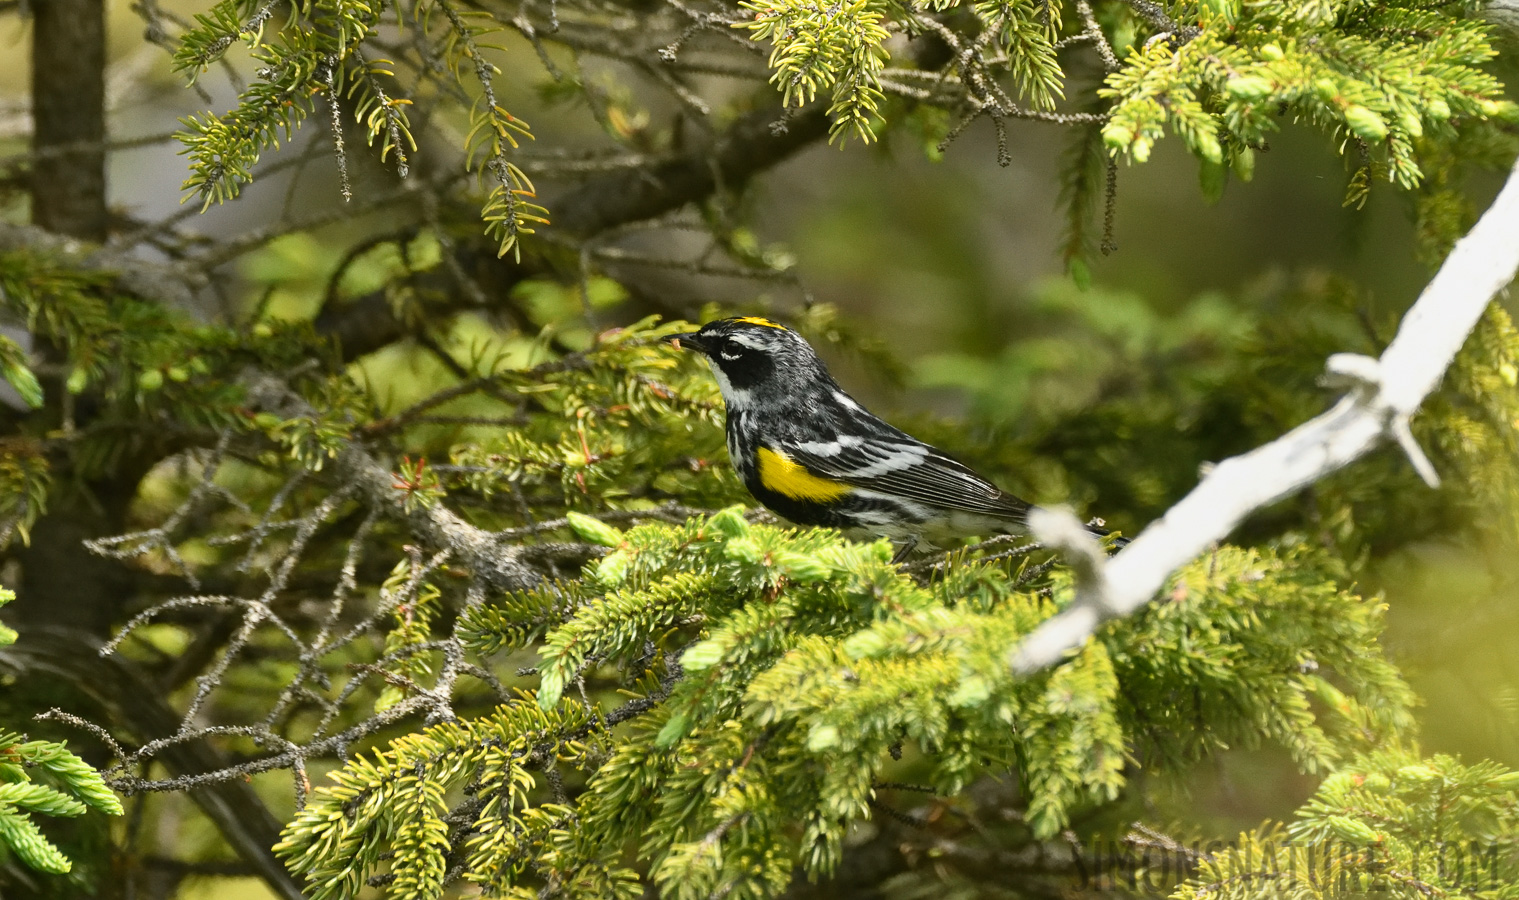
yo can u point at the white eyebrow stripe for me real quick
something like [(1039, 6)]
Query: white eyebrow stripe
[(744, 340)]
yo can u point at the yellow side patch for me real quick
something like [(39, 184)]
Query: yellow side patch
[(760, 320), (786, 477)]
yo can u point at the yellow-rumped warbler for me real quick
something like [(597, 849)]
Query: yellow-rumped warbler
[(813, 455)]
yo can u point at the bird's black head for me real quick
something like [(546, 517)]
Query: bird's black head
[(756, 361)]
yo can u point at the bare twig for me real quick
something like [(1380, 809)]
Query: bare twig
[(1155, 16), (1384, 394), (1093, 32)]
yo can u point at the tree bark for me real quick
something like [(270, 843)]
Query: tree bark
[(62, 583), (68, 115)]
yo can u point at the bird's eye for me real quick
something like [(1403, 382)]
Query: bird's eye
[(729, 350)]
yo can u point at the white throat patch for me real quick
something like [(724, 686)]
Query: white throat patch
[(735, 398)]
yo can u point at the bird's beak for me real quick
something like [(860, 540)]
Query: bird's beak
[(691, 339)]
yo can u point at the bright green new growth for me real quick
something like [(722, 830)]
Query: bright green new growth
[(396, 803), (16, 372), (318, 52), (7, 635), (720, 703), (1397, 86), (414, 598), (20, 795), (818, 47), (1379, 79), (302, 61), (1389, 823), (805, 664), (781, 679), (1392, 83), (139, 358), (840, 46)]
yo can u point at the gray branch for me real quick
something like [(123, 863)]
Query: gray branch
[(1382, 395), (128, 698), (499, 563)]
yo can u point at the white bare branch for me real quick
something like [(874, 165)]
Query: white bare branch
[(1382, 395)]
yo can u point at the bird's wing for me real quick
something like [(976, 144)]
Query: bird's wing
[(908, 469)]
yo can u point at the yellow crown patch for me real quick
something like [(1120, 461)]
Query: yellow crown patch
[(760, 320)]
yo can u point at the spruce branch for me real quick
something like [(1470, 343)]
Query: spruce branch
[(328, 74), (509, 211), (637, 190), (215, 32), (21, 795), (1383, 822), (1155, 16), (1386, 395), (483, 552), (138, 707), (776, 677), (1093, 32), (378, 110), (819, 47)]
